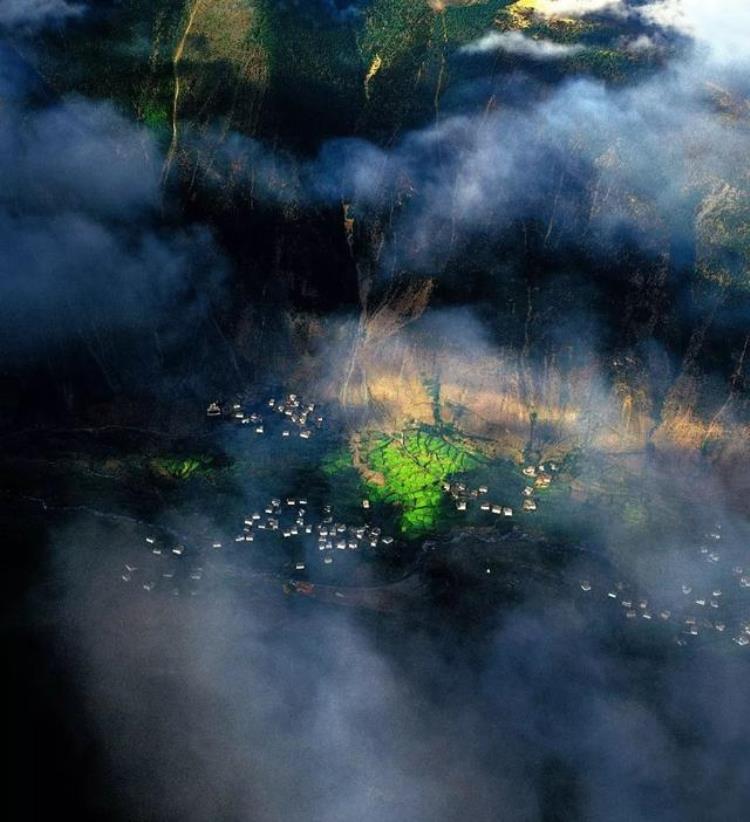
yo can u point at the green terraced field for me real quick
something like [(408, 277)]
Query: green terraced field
[(414, 469)]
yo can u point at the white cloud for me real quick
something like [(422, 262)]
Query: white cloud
[(35, 12), (514, 42), (642, 43), (724, 28)]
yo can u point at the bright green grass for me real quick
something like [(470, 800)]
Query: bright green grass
[(414, 469)]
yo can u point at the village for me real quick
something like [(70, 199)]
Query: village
[(298, 417), (695, 608), (313, 540)]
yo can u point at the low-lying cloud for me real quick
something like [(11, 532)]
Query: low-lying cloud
[(582, 157), (33, 13), (85, 252), (240, 703), (723, 29), (514, 42)]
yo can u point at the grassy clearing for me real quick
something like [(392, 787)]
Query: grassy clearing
[(414, 467)]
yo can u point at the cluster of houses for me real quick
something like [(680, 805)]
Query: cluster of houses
[(537, 477), (161, 569), (696, 611), (298, 417), (463, 496), (290, 519), (281, 519)]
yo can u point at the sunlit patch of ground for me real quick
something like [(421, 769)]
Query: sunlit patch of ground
[(491, 396), (414, 467), (405, 471), (523, 12)]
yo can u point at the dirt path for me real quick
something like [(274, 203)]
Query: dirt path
[(375, 477), (176, 96)]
